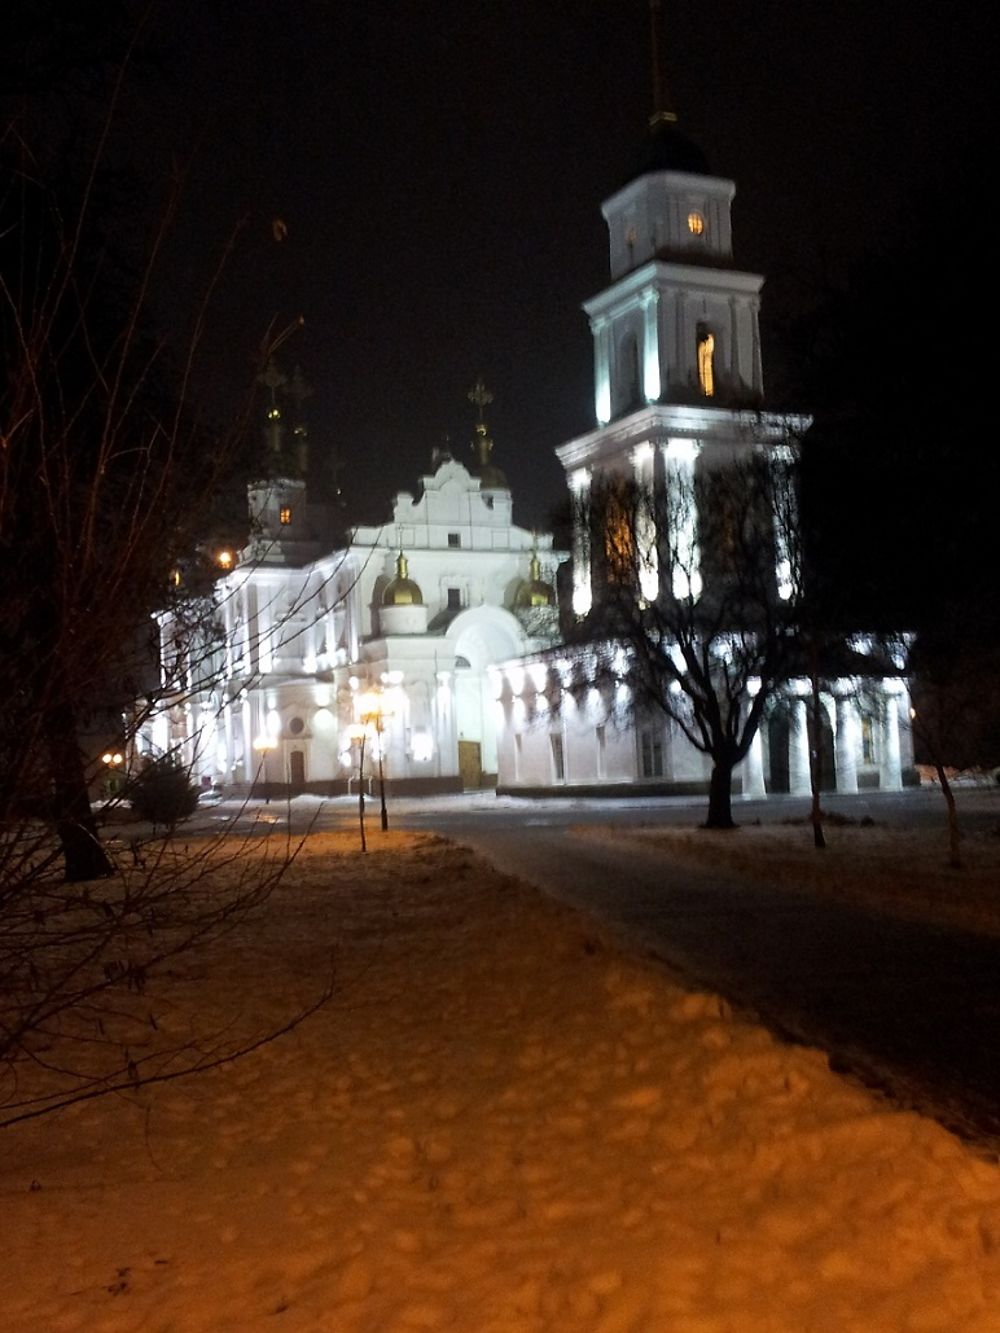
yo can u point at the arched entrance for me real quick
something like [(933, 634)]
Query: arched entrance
[(481, 636)]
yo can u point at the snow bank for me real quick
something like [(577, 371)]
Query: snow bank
[(500, 1124)]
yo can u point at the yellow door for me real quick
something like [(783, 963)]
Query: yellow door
[(470, 765)]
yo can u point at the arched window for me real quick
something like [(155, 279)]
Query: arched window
[(706, 361), (629, 363)]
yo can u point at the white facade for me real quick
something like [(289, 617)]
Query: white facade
[(555, 736), (313, 651), (678, 384)]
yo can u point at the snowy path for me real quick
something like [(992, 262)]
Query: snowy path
[(914, 1008), (501, 1124)]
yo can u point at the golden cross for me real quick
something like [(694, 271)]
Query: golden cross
[(479, 396)]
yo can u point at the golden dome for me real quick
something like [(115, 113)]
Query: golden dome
[(402, 591), (534, 591)]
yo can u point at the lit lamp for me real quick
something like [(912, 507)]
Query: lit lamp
[(373, 709), (264, 744), (112, 760)]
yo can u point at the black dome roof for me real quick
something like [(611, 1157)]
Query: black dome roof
[(667, 149)]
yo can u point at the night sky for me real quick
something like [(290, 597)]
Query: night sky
[(440, 169)]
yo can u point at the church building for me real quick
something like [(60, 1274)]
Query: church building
[(430, 648), (678, 396), (322, 665)]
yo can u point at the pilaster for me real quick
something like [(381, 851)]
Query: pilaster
[(799, 781)]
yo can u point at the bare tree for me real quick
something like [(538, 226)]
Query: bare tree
[(711, 642), (109, 476), (956, 713)]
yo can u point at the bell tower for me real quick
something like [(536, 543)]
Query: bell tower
[(284, 523), (678, 385), (678, 322)]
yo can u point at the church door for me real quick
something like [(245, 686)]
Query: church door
[(470, 765), (297, 770)]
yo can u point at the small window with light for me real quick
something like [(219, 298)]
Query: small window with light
[(706, 361), (696, 223), (285, 515)]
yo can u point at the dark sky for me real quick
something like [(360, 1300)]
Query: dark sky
[(440, 169)]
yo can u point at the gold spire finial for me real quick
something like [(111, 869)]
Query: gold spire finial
[(663, 111), (480, 396)]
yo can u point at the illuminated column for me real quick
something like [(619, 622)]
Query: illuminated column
[(161, 732), (579, 485), (799, 783), (847, 745), (753, 769), (735, 366), (602, 370), (651, 348), (445, 731), (246, 723), (891, 772), (643, 457), (679, 458), (758, 371)]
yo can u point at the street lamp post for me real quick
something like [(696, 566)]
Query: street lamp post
[(358, 733), (112, 761), (373, 712), (381, 776), (264, 744)]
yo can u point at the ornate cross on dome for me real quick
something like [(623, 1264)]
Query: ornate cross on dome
[(272, 377), (480, 397), (299, 389)]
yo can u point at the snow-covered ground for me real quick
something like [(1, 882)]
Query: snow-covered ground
[(901, 871), (499, 1124)]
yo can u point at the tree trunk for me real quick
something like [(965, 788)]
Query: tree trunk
[(816, 753), (720, 797), (954, 832), (83, 855)]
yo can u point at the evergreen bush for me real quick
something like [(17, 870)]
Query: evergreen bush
[(163, 792)]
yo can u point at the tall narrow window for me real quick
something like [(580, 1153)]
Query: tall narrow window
[(651, 752), (518, 755), (619, 536), (600, 736), (285, 515), (869, 739), (706, 361), (558, 759)]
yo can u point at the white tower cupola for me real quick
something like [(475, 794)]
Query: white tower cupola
[(678, 323)]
